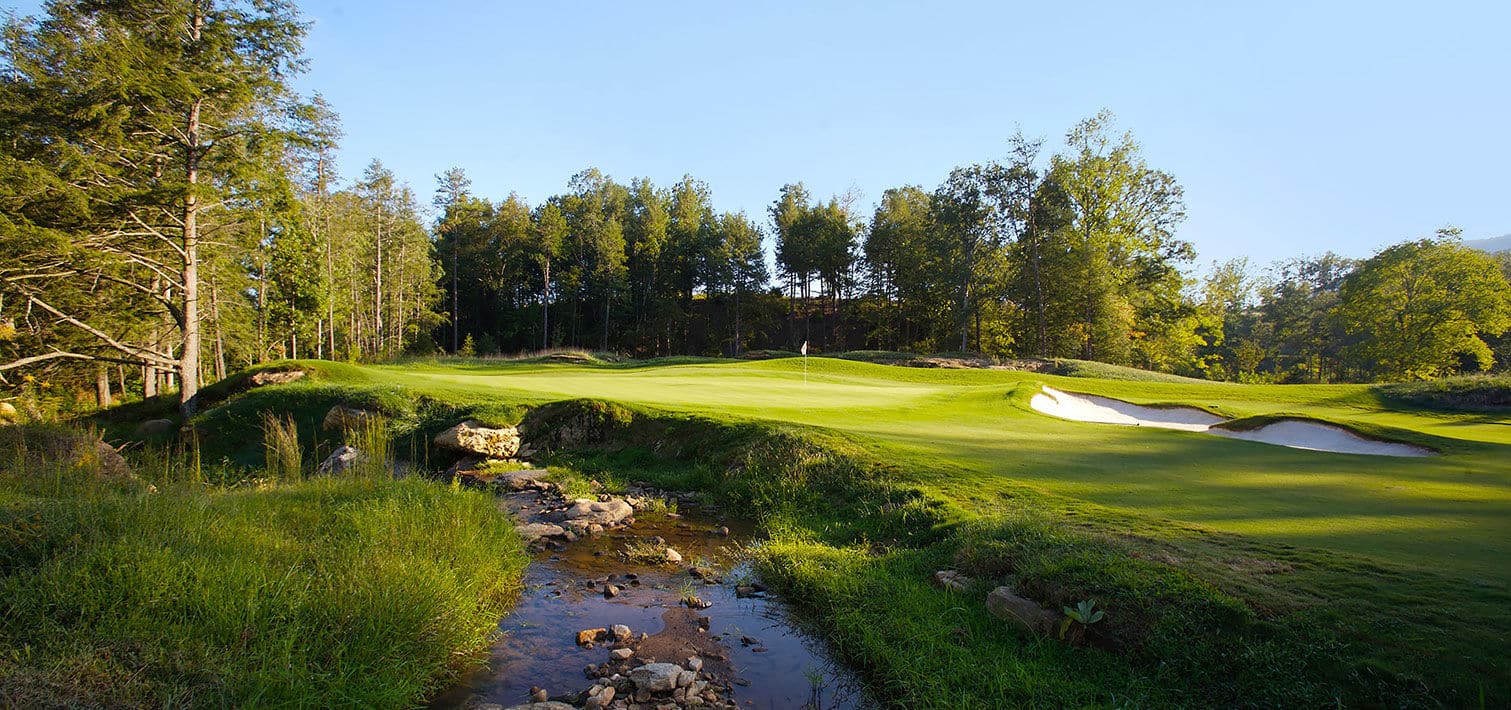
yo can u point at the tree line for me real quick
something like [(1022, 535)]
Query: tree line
[(170, 212)]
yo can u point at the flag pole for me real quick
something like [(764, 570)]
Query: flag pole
[(805, 362)]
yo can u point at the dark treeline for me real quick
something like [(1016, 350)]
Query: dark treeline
[(169, 212)]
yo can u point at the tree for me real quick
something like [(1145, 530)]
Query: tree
[(148, 114), (550, 232), (1420, 308), (741, 267), (1122, 217)]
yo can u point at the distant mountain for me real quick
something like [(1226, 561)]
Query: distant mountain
[(1492, 245)]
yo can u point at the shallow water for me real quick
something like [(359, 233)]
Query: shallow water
[(785, 666)]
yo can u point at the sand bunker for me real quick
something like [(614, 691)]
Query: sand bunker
[(1102, 410), (1296, 434)]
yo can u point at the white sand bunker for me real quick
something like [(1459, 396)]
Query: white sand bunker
[(1297, 434)]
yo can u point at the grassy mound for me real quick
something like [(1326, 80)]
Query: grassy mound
[(113, 593), (1103, 371)]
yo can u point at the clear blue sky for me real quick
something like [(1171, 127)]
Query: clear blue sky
[(1295, 127)]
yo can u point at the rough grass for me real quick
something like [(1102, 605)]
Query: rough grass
[(364, 592)]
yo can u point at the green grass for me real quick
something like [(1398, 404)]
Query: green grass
[(362, 592), (1232, 572)]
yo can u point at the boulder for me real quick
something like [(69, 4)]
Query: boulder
[(536, 531), (111, 462), (339, 462), (8, 413), (951, 580), (1025, 614), (656, 677), (342, 417), (608, 513), (154, 427), (520, 480), (622, 633), (473, 438), (278, 377), (586, 637)]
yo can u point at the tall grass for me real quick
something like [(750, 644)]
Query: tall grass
[(361, 591), (280, 440), (371, 437)]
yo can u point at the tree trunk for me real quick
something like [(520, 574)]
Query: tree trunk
[(545, 308), (188, 364), (220, 338), (456, 313), (102, 385)]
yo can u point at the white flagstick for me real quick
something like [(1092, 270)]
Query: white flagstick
[(805, 362)]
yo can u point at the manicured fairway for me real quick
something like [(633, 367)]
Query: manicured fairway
[(970, 436)]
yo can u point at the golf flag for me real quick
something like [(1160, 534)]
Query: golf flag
[(805, 347)]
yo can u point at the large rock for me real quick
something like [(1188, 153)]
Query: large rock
[(340, 461), (520, 480), (8, 413), (608, 513), (342, 417), (275, 377), (656, 677), (154, 427), (473, 438), (951, 580), (536, 531), (1025, 614)]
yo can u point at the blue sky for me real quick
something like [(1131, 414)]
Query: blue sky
[(1295, 127)]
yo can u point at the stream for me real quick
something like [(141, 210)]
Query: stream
[(757, 655)]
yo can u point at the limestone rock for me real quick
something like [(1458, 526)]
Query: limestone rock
[(275, 377), (608, 513), (520, 480), (154, 427), (586, 637), (621, 654), (1025, 614), (673, 556), (342, 417), (339, 462), (656, 677), (951, 580), (536, 531), (474, 438)]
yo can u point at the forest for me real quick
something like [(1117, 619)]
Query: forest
[(170, 211)]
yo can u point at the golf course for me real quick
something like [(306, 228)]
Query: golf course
[(1230, 572)]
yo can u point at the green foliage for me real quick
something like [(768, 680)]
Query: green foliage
[(1085, 613), (1419, 309)]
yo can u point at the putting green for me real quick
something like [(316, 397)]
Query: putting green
[(970, 435)]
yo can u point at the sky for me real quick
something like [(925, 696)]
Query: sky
[(1294, 127)]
